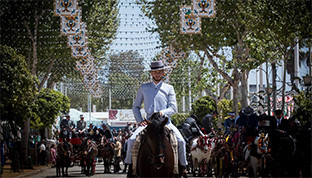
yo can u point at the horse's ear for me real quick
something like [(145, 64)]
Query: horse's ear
[(164, 122)]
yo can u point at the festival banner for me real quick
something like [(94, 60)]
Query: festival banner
[(203, 8), (189, 24), (65, 7)]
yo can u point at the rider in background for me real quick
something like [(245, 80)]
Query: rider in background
[(107, 132), (81, 127), (208, 122), (229, 123), (91, 132), (66, 126), (248, 123), (191, 127)]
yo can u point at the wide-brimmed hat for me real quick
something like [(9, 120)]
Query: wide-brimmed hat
[(158, 65)]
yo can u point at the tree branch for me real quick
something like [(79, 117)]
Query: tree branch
[(46, 76), (216, 67)]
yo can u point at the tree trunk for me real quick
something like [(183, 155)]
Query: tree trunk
[(284, 84), (235, 96), (268, 86), (25, 146), (244, 88), (274, 84)]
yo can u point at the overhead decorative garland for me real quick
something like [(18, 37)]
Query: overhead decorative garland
[(190, 16), (169, 57), (76, 31)]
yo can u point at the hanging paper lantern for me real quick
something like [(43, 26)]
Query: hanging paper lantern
[(166, 56), (177, 52), (90, 80), (65, 7), (166, 78), (96, 92), (204, 8), (70, 25), (79, 51), (79, 39), (188, 22)]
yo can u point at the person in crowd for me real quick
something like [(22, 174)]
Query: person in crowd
[(107, 132), (157, 97), (117, 151), (66, 127), (91, 132), (229, 123), (208, 122), (282, 125), (81, 127), (191, 127), (42, 153), (53, 155), (248, 124)]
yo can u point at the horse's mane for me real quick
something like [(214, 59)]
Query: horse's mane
[(156, 128)]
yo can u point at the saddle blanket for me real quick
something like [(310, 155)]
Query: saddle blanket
[(173, 142)]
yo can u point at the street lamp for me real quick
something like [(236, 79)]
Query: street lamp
[(307, 80)]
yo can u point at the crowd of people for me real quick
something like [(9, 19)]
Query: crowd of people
[(289, 142)]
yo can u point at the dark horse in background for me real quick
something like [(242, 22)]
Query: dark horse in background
[(106, 149), (155, 156), (88, 153), (64, 156)]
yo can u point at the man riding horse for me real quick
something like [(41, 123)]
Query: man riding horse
[(157, 97), (66, 127)]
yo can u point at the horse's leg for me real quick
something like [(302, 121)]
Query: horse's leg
[(66, 171), (63, 171), (57, 170)]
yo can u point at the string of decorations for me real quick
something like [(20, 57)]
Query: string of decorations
[(190, 23), (76, 32), (190, 16)]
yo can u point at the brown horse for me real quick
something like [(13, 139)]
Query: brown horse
[(64, 152), (155, 156), (88, 154), (107, 153)]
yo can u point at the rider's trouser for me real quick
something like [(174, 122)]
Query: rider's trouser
[(181, 145)]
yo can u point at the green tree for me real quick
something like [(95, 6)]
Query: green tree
[(123, 75), (202, 106), (178, 119), (225, 107), (50, 104), (283, 24), (30, 28), (17, 91), (304, 110), (229, 28)]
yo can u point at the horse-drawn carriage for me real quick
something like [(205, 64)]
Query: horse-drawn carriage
[(82, 151)]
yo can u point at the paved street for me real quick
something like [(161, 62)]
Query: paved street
[(75, 171)]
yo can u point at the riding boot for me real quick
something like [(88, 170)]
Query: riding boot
[(130, 173)]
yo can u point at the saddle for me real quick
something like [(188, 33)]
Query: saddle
[(173, 141)]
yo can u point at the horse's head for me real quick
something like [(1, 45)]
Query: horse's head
[(154, 138), (262, 142), (205, 143)]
